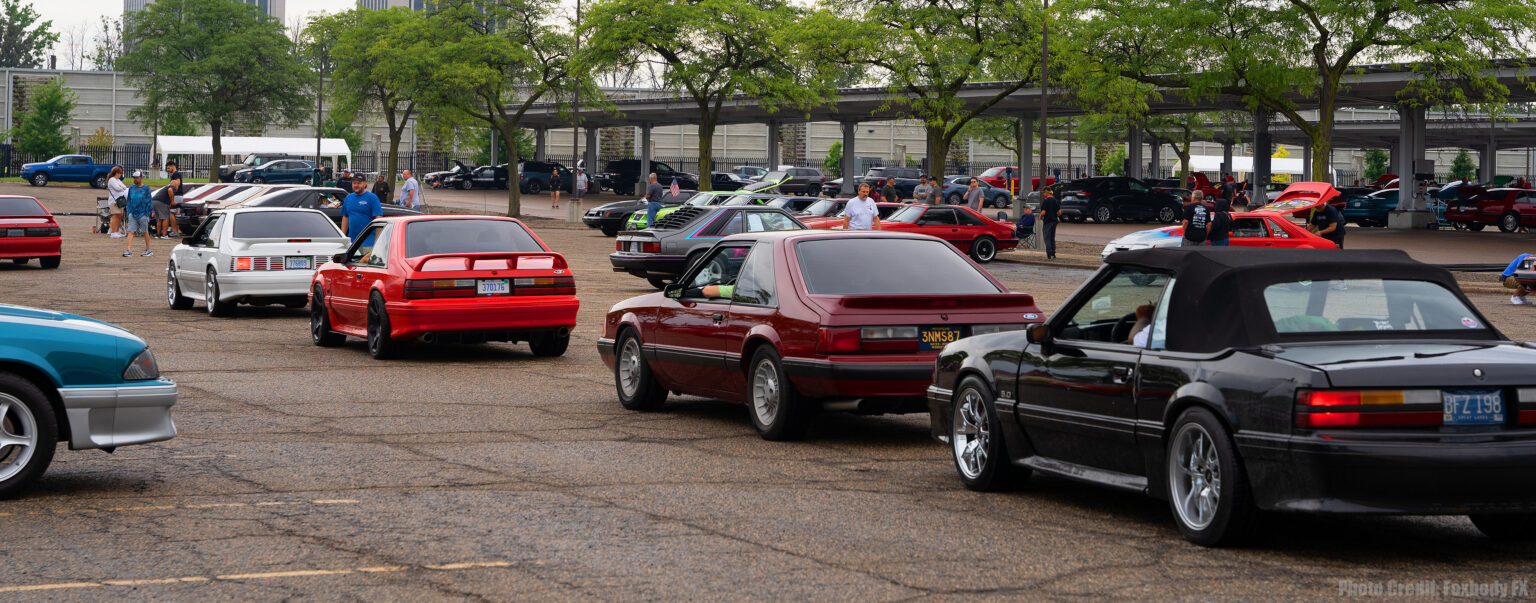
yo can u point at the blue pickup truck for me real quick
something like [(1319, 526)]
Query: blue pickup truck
[(67, 168)]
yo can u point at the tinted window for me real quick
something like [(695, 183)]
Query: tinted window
[(657, 166), (1366, 305), (21, 207), (467, 236), (720, 269), (756, 283), (907, 214), (363, 249), (1103, 316), (862, 266), (284, 199), (942, 216), (208, 235), (762, 221), (1248, 228), (969, 219), (284, 225)]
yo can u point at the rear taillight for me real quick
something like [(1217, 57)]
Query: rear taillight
[(439, 288), (43, 231), (845, 340), (645, 246), (544, 285), (240, 264), (1328, 409)]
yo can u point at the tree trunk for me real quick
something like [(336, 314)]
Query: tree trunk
[(1322, 138), (706, 151), (214, 126), (938, 152), (397, 121), (508, 134)]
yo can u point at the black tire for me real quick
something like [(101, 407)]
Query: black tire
[(1476, 226), (1459, 225), (20, 261), (657, 282), (1515, 528), (954, 199), (1103, 213), (534, 188), (380, 345), (39, 179), (777, 410), (216, 308), (25, 413), (258, 180), (976, 441), (693, 258), (984, 249), (466, 185), (320, 323), (306, 181), (49, 262), (609, 231), (550, 345), (644, 393), (1509, 222), (1079, 219), (813, 190), (1212, 461), (99, 181), (1168, 214), (173, 295)]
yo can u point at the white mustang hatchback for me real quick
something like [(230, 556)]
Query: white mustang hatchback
[(255, 255)]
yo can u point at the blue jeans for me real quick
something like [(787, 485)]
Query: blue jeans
[(650, 212), (1221, 243)]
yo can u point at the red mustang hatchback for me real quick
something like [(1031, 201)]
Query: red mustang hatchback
[(963, 227), (794, 322), (445, 279), (28, 231)]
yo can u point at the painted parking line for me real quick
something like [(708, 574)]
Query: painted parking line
[(380, 569), (232, 505)]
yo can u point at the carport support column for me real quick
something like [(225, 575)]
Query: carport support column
[(541, 144), (589, 159), (1261, 153), (773, 146), (1156, 167), (1410, 212), (1132, 153), (645, 157), (1306, 162), (1226, 158), (849, 157), (1026, 159)]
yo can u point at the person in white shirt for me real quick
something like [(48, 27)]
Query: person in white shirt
[(117, 199), (410, 192), (861, 213), (581, 186)]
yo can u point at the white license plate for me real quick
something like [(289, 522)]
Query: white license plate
[(1472, 406), (298, 263), (498, 286)]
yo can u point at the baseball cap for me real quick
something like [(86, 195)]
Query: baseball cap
[(358, 178), (138, 173)]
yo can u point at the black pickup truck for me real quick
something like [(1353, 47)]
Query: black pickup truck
[(622, 176)]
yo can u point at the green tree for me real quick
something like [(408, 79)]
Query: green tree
[(1462, 167), (40, 132), (495, 59), (338, 126), (833, 164), (1377, 162), (927, 52), (709, 50), (377, 66), (107, 46), (1115, 162), (24, 41), (1268, 54), (218, 62)]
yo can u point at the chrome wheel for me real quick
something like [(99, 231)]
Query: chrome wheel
[(211, 294), (630, 366), (972, 434), (1194, 476), (170, 287), (765, 392), (18, 436)]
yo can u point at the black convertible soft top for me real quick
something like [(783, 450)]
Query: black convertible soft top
[(1220, 290)]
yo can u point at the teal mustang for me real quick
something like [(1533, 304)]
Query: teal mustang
[(75, 379)]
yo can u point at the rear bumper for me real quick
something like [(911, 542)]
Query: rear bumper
[(411, 319), (649, 266), (1336, 475), (276, 283), (30, 247), (107, 417), (862, 377)]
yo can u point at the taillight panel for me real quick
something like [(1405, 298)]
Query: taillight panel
[(1331, 409)]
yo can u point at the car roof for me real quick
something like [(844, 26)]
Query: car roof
[(798, 235), (243, 210), (1213, 280)]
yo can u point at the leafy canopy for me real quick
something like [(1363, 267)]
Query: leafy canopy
[(41, 131), (24, 41)]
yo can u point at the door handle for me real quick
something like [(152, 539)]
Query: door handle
[(1120, 374), (718, 318)]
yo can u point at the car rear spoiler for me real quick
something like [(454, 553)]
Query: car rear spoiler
[(249, 243), (512, 258), (928, 302)]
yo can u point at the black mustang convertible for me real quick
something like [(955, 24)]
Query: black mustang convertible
[(1232, 381)]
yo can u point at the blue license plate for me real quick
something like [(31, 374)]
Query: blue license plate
[(1473, 406), (935, 338)]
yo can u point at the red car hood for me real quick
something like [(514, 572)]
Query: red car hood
[(1301, 196)]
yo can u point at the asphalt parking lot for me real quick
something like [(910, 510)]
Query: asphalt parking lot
[(483, 472)]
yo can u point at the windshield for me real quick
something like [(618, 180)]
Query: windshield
[(433, 237), (21, 206), (700, 199), (284, 225), (840, 266), (908, 214), (819, 208), (1366, 305), (56, 159)]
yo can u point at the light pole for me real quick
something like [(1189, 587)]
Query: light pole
[(572, 211), (1045, 57)]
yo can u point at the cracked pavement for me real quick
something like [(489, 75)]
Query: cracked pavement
[(300, 471)]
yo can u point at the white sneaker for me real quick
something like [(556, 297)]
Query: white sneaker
[(1519, 301), (118, 235)]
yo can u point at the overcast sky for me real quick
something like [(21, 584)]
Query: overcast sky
[(71, 13)]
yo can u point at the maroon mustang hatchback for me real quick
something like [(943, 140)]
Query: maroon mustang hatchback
[(794, 322)]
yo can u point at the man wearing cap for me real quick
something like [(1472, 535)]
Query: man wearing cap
[(167, 199), (141, 206), (359, 208)]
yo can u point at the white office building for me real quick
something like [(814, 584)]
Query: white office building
[(383, 4), (276, 9)]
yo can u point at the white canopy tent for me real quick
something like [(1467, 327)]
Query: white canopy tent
[(333, 148), (1211, 164)]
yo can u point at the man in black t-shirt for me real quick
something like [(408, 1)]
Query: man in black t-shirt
[(167, 199), (1328, 223), (1050, 211), (1197, 220), (1220, 233)]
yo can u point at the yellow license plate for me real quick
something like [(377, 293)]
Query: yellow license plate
[(935, 338)]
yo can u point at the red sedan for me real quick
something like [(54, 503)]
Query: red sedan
[(793, 322), (1510, 208), (884, 209), (998, 177), (961, 226), (28, 230), (447, 279)]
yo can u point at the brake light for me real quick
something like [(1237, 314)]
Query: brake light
[(298, 240), (544, 285), (1325, 409), (844, 340), (834, 341), (43, 231), (242, 263), (439, 288)]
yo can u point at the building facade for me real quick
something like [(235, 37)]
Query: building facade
[(277, 9), (384, 4)]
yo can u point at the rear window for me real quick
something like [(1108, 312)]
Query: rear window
[(1367, 306), (21, 207), (840, 266), (467, 236), (284, 225)]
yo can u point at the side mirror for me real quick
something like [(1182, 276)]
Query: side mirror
[(1040, 335), (673, 291), (340, 258), (188, 241)]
